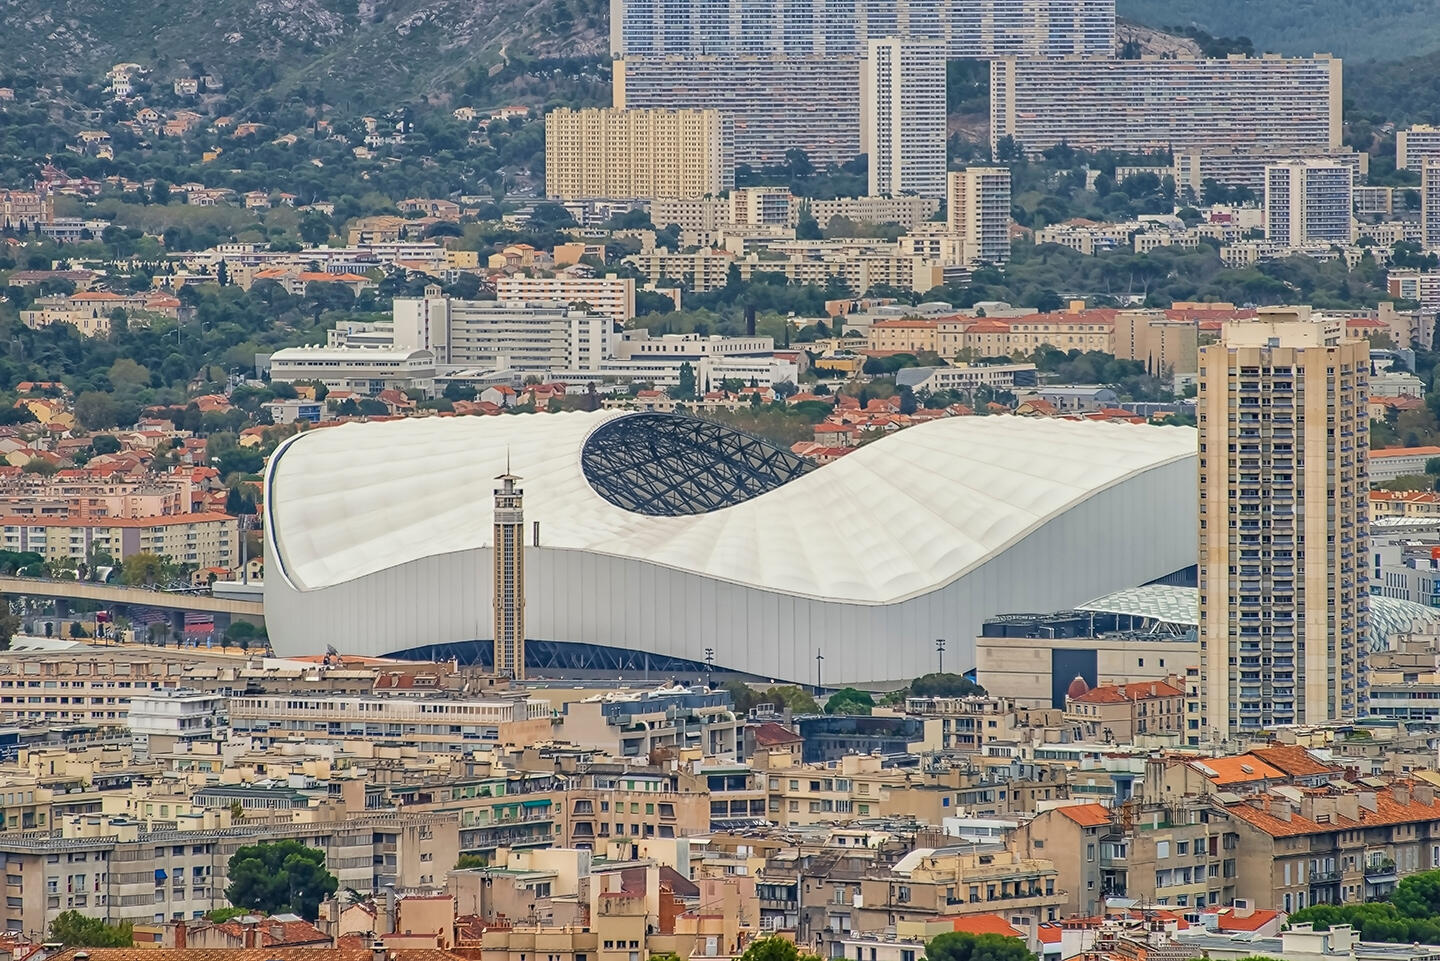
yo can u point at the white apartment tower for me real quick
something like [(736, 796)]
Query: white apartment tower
[(1309, 202), (902, 116), (509, 565), (504, 335), (1430, 203), (1414, 145), (1283, 521), (978, 209)]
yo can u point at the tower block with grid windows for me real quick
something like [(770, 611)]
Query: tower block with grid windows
[(509, 562)]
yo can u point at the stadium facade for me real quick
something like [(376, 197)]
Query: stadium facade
[(659, 538)]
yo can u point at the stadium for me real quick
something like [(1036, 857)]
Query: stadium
[(663, 538)]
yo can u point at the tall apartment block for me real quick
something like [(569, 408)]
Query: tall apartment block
[(613, 154), (1245, 166), (1414, 145), (970, 29), (1283, 519), (978, 209), (1267, 103), (1309, 203), (902, 116), (1430, 203), (775, 102), (508, 561)]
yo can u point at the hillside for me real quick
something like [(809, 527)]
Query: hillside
[(355, 50), (1356, 31)]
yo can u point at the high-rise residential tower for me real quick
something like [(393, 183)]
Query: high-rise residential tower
[(902, 116), (1309, 202), (978, 209), (509, 564), (1283, 510), (1430, 203)]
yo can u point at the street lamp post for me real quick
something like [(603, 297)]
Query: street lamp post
[(940, 650), (709, 664), (818, 658)]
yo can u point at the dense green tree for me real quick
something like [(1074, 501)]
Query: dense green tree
[(944, 685), (776, 949), (848, 700), (75, 930), (143, 569), (279, 876), (963, 946)]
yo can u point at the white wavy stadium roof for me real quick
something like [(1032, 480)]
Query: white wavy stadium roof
[(894, 519)]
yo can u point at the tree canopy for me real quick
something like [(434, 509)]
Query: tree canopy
[(944, 685), (776, 949), (280, 876), (962, 946), (848, 700), (75, 930), (1411, 914)]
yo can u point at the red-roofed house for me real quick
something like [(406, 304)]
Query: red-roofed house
[(1118, 713), (1243, 917)]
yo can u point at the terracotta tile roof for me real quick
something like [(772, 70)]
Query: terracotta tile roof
[(1294, 761), (216, 954), (1086, 815), (1227, 920), (1239, 770), (1406, 452), (1120, 693), (984, 924), (770, 733), (1387, 811)]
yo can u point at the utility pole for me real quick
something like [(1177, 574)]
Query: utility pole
[(940, 650), (709, 664), (818, 658)]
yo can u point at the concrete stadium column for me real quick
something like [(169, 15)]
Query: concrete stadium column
[(62, 608), (222, 622), (177, 625)]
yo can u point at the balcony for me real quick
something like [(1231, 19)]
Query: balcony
[(1319, 878), (1379, 872)]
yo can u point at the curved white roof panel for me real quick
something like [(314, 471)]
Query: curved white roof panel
[(901, 538)]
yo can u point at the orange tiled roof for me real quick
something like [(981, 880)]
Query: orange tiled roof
[(1387, 811), (1233, 770), (1293, 760), (984, 924), (770, 733), (1086, 815), (1406, 452), (1120, 693)]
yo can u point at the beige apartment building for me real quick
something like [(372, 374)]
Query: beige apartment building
[(1283, 509), (701, 271), (908, 335), (1075, 329), (619, 154), (1166, 345), (204, 540), (1024, 668), (858, 271), (978, 208), (931, 884), (1119, 713)]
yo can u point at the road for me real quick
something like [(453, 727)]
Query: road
[(130, 596)]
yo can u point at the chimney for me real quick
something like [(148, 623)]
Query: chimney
[(1424, 793), (1401, 793), (385, 918), (377, 950), (180, 935), (249, 929)]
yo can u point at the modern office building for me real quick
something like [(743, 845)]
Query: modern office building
[(502, 335), (1283, 485), (970, 29), (616, 154), (664, 535), (775, 102), (1309, 202), (1430, 203), (978, 207), (609, 295), (364, 370), (902, 116), (1266, 103), (1414, 145)]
